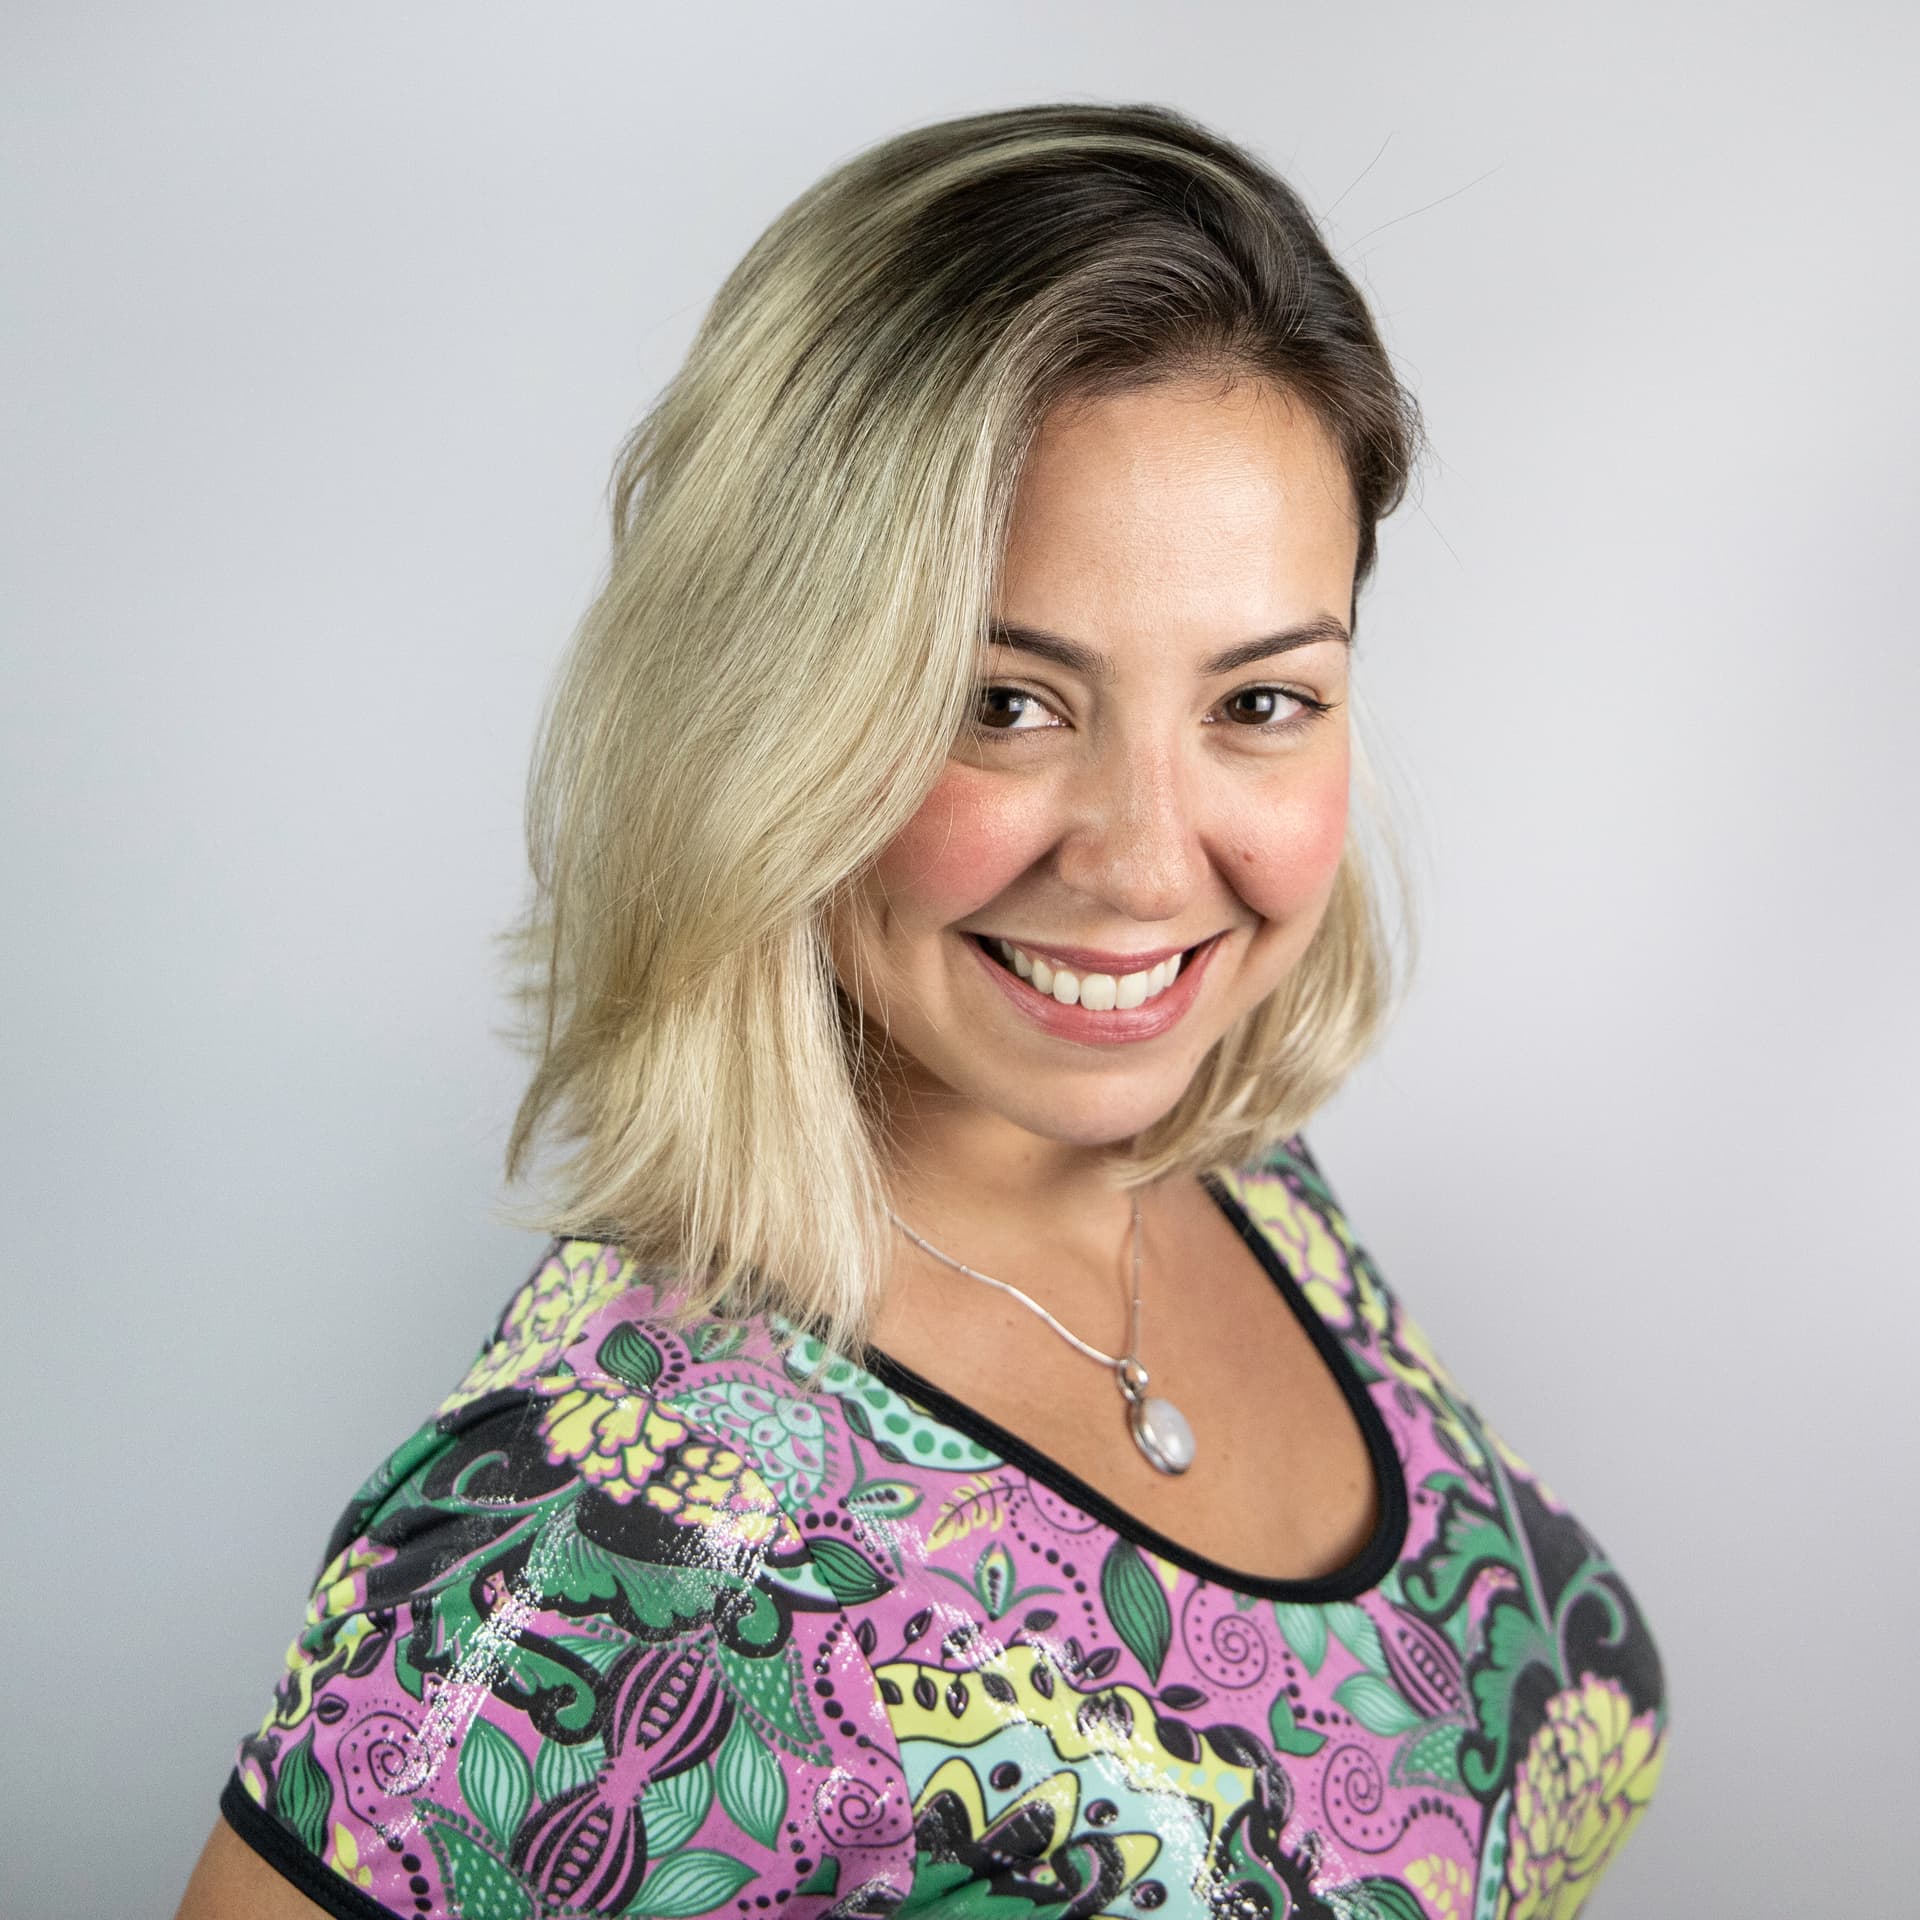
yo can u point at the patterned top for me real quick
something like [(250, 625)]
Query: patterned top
[(717, 1623)]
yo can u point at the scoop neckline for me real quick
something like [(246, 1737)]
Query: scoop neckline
[(1375, 1560)]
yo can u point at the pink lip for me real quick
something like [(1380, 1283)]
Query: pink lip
[(1093, 959), (1117, 1028)]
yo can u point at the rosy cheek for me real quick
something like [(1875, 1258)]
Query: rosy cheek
[(1285, 855), (968, 842)]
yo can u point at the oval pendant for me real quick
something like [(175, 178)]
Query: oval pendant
[(1161, 1432)]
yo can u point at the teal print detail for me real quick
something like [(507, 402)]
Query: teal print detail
[(684, 1620)]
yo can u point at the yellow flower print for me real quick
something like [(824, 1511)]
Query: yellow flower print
[(1587, 1777), (547, 1316), (344, 1858), (1310, 1249), (1342, 1287), (712, 1486), (330, 1635), (342, 1586), (1444, 1885), (615, 1436), (1411, 1360)]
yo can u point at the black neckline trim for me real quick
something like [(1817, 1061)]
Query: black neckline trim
[(1361, 1574), (282, 1851)]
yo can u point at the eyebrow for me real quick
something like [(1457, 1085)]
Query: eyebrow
[(1092, 664)]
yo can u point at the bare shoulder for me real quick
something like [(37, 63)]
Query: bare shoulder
[(232, 1882)]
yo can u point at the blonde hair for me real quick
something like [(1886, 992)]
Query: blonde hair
[(806, 532)]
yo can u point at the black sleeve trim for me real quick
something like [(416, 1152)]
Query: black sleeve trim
[(275, 1845)]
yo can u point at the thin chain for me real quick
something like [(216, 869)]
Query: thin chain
[(1115, 1361)]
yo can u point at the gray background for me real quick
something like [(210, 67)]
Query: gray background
[(321, 326)]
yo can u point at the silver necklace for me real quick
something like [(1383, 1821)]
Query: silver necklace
[(1159, 1428)]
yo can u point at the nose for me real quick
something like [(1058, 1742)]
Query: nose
[(1132, 843)]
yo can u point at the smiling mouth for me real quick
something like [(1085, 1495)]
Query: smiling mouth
[(1098, 992)]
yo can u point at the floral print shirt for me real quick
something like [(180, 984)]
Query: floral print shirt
[(714, 1622)]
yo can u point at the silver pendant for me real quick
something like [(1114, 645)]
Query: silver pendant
[(1159, 1428), (1162, 1433)]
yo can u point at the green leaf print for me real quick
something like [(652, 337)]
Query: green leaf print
[(753, 1784), (482, 1887), (629, 1355), (558, 1768), (1305, 1630), (303, 1796), (1472, 1538), (580, 1569), (1381, 1900), (1357, 1633), (1136, 1602), (600, 1654), (825, 1878), (423, 1444), (495, 1779), (1289, 1736), (993, 1578), (717, 1339), (1247, 1881), (405, 1669), (684, 1884), (1368, 1372), (1515, 1642), (661, 1597), (957, 1890), (568, 1697), (853, 1580), (1376, 1704), (674, 1806), (1430, 1757), (771, 1692)]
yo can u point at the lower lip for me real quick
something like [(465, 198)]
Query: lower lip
[(1119, 1028)]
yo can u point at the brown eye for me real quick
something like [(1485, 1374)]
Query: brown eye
[(1001, 709), (1279, 712), (1260, 706)]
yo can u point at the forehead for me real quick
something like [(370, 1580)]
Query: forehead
[(1188, 502)]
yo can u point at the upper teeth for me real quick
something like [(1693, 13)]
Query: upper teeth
[(1101, 992)]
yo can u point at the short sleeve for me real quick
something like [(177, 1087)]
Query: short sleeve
[(569, 1651)]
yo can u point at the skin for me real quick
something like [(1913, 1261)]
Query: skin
[(232, 1882), (1141, 810), (1129, 811), (1158, 526)]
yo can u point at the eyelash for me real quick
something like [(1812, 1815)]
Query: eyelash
[(1309, 710)]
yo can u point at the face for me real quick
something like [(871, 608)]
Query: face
[(1155, 781)]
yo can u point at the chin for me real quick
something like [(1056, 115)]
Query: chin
[(1092, 1117)]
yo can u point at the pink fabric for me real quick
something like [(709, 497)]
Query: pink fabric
[(661, 1623)]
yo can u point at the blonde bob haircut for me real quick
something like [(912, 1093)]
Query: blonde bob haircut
[(807, 528)]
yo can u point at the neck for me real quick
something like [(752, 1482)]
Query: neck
[(1039, 1214), (948, 1161)]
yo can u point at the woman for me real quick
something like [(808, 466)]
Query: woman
[(954, 1453)]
